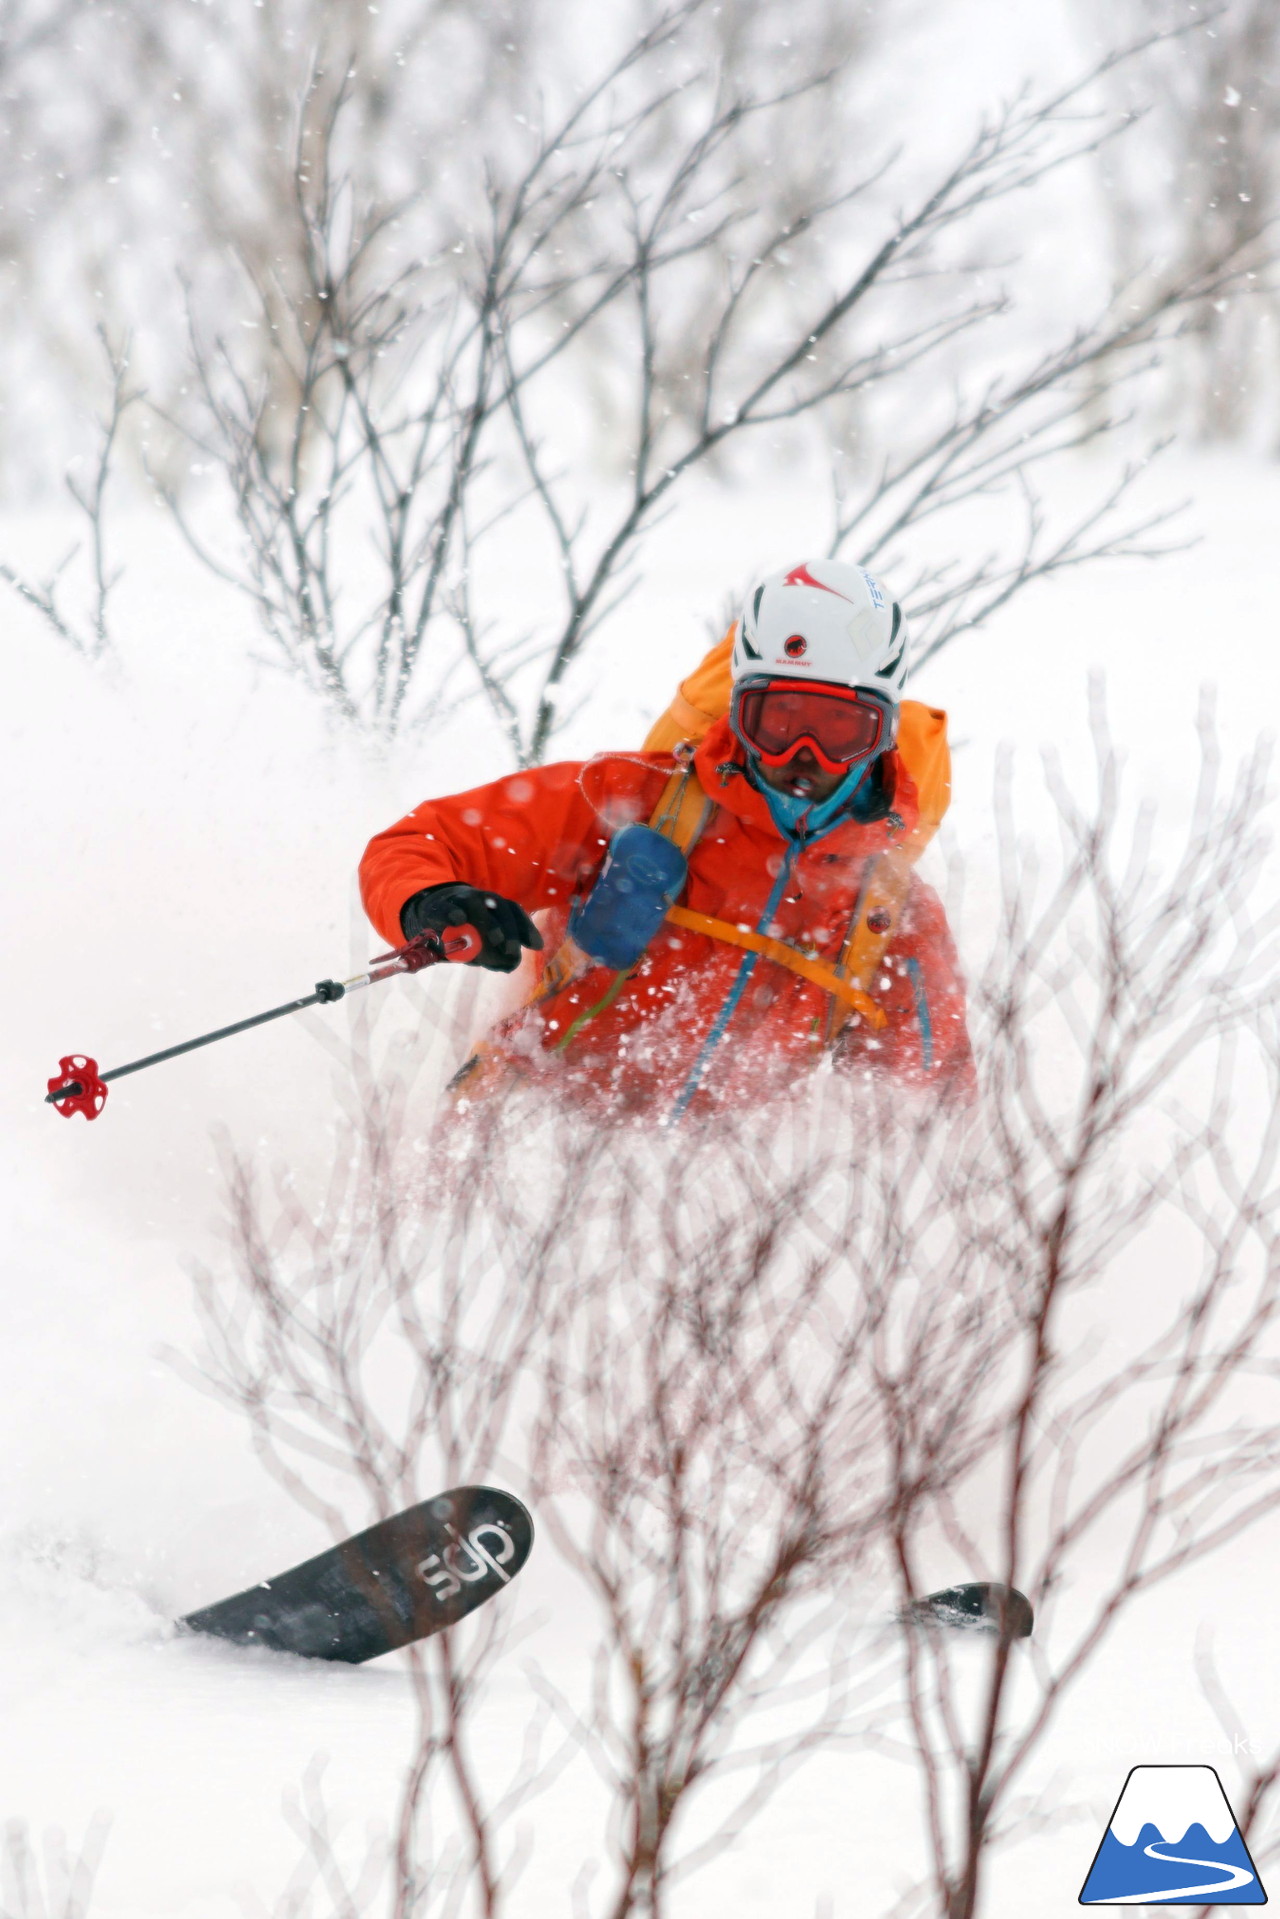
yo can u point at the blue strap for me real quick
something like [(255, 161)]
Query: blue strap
[(734, 997), (922, 1013)]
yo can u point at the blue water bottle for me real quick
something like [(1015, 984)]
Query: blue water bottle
[(642, 876)]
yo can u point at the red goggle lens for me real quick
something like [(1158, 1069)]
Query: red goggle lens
[(777, 720)]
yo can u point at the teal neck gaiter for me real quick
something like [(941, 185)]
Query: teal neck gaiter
[(799, 819)]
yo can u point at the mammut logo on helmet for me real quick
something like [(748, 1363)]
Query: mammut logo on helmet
[(795, 646)]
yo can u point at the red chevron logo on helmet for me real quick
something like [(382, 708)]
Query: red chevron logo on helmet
[(801, 576)]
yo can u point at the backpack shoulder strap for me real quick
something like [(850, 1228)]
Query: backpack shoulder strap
[(875, 919), (684, 809), (923, 749)]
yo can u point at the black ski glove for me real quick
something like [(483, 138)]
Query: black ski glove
[(504, 927)]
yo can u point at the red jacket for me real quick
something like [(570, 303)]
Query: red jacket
[(540, 837)]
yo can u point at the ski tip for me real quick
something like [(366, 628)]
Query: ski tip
[(984, 1606), (400, 1580)]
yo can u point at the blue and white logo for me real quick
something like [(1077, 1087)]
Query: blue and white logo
[(1172, 1841)]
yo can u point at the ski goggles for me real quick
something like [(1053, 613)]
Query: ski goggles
[(840, 724)]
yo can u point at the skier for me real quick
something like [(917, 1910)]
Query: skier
[(784, 923)]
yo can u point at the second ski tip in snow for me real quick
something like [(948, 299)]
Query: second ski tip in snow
[(985, 1606)]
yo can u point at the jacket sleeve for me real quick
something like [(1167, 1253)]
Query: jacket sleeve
[(530, 837), (921, 988)]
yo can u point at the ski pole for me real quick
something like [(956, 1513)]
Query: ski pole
[(78, 1086)]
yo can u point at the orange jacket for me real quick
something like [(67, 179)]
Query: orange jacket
[(540, 837)]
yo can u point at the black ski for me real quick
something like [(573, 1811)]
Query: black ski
[(975, 1608), (403, 1579)]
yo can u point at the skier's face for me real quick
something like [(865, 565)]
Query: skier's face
[(803, 777)]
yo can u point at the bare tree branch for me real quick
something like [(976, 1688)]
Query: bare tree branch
[(89, 635)]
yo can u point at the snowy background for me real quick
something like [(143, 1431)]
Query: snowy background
[(183, 827)]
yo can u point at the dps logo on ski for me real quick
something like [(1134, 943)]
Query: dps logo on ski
[(446, 1573), (1172, 1841)]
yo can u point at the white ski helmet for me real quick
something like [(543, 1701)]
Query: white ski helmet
[(823, 620)]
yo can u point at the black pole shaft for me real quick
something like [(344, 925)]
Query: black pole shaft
[(206, 1039)]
